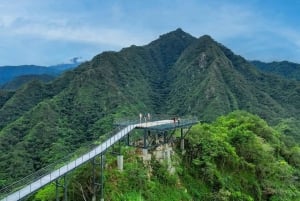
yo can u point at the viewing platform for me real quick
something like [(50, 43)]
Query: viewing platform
[(170, 122)]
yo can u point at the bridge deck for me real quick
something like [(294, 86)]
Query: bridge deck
[(170, 125)]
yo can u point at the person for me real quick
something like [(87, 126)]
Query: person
[(149, 116), (178, 121), (141, 116)]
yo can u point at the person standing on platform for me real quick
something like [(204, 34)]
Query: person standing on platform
[(141, 116)]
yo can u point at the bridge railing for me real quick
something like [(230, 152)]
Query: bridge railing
[(54, 166), (153, 117)]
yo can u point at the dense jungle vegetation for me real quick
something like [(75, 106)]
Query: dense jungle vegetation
[(237, 157)]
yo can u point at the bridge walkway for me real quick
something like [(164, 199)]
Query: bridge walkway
[(54, 175)]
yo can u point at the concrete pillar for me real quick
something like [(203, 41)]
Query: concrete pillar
[(145, 152), (120, 162), (168, 155), (182, 144)]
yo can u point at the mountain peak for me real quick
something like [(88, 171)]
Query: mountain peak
[(177, 33), (173, 37)]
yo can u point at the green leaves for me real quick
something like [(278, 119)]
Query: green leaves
[(236, 157)]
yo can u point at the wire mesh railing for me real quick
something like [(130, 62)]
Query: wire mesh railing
[(58, 164)]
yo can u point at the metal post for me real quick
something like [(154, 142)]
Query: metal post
[(181, 140), (145, 146), (94, 180), (181, 133), (102, 177), (128, 140), (145, 139), (65, 189), (56, 190)]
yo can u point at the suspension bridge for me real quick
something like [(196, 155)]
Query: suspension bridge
[(156, 132)]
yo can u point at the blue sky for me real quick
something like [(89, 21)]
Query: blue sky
[(46, 32)]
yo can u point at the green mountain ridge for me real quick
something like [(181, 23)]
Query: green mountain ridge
[(285, 69), (17, 82), (210, 79), (8, 73), (176, 74)]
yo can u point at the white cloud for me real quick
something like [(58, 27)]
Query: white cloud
[(64, 30), (107, 36), (74, 27)]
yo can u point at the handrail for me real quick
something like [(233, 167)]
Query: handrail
[(153, 118), (57, 164), (38, 175)]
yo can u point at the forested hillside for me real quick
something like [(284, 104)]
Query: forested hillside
[(209, 78), (285, 69), (236, 157), (176, 74)]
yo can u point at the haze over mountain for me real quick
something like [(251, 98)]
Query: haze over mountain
[(18, 81), (8, 73), (176, 74)]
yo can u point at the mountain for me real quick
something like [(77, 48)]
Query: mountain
[(209, 80), (286, 69), (7, 73), (176, 74), (18, 81)]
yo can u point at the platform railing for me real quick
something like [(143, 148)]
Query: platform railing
[(153, 118)]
